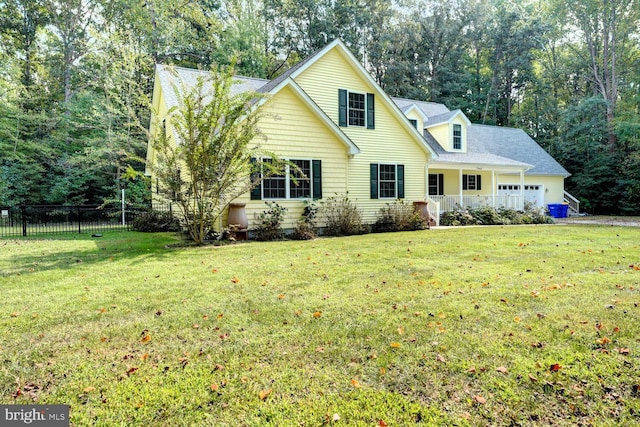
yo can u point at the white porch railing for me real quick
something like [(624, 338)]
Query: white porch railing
[(434, 210), (574, 204), (451, 203)]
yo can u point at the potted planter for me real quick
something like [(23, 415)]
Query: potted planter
[(237, 220)]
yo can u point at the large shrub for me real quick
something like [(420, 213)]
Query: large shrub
[(488, 215), (457, 217), (155, 221), (399, 216), (342, 216)]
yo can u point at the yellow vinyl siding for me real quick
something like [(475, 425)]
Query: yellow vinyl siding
[(443, 133), (553, 187), (293, 131), (389, 143), (413, 115)]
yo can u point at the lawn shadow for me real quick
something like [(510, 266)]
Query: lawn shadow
[(135, 247)]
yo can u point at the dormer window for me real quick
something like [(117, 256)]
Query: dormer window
[(457, 137), (356, 109), (414, 123)]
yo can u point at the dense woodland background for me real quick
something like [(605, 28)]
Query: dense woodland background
[(76, 78)]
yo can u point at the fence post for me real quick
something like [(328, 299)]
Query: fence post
[(79, 221), (23, 214)]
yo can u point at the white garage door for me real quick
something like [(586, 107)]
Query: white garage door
[(533, 193)]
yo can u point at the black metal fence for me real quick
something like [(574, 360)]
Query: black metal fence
[(29, 220)]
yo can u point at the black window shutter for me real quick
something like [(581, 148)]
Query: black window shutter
[(371, 108), (256, 192), (316, 171), (478, 182), (440, 184), (374, 180), (342, 107), (464, 182), (400, 173)]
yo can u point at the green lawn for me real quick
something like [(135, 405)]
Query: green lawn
[(521, 325)]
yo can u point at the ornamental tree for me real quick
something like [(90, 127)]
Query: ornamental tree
[(207, 150)]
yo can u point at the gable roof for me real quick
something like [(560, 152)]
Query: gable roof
[(169, 76), (490, 145), (429, 109), (476, 155), (413, 107), (300, 67), (518, 145), (446, 118)]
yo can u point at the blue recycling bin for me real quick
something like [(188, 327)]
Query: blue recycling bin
[(558, 210), (564, 210), (555, 210)]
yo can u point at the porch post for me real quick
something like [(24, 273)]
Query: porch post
[(493, 187), (521, 189), (460, 186), (426, 181)]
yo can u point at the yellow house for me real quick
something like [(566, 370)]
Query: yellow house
[(329, 117), (478, 165)]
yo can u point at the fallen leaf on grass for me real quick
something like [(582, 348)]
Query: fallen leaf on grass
[(264, 394), (381, 423), (623, 350), (132, 370), (502, 369), (603, 341), (89, 389), (481, 400), (235, 280), (532, 378), (395, 344), (146, 338), (355, 383), (555, 367), (317, 314)]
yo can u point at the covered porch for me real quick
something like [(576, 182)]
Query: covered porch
[(454, 186)]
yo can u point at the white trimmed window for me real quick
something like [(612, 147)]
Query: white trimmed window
[(457, 137), (301, 180)]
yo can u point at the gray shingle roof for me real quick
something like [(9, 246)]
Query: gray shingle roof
[(430, 109), (170, 76), (490, 145), (517, 145)]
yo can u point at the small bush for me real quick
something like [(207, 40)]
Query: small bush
[(270, 223), (457, 217), (155, 221), (486, 215), (536, 215), (306, 227), (343, 217), (399, 216)]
